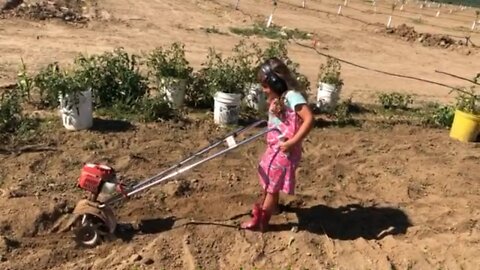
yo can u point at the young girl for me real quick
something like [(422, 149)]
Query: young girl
[(288, 112)]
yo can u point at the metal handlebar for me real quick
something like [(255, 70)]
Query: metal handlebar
[(180, 167)]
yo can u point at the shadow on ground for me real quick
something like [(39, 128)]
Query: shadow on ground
[(348, 222), (107, 125), (127, 231)]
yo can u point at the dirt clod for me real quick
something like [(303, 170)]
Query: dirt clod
[(65, 10), (8, 244), (148, 261), (409, 34)]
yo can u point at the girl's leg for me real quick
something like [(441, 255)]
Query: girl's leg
[(261, 201), (262, 212), (271, 202)]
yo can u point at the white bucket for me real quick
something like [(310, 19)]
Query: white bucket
[(255, 97), (174, 90), (226, 108), (327, 96), (77, 116)]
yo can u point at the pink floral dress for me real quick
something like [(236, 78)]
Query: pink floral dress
[(277, 169)]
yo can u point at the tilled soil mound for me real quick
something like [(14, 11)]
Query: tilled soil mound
[(409, 34), (73, 11)]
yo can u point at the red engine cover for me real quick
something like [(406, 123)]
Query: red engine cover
[(93, 175)]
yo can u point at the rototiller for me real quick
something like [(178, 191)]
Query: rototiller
[(94, 218)]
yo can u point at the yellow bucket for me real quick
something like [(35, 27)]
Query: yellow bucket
[(465, 127)]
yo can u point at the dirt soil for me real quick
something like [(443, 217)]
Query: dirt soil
[(71, 11), (375, 197), (408, 33)]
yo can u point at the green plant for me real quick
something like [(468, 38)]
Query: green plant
[(24, 82), (246, 60), (197, 94), (156, 108), (272, 32), (395, 100), (330, 72), (226, 74), (222, 74), (171, 63), (10, 111), (441, 116), (343, 113), (114, 77), (53, 83), (467, 101)]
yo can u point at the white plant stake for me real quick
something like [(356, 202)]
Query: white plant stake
[(474, 25), (401, 7), (345, 3), (236, 5), (438, 13), (269, 22), (303, 3), (270, 19), (389, 23), (339, 12)]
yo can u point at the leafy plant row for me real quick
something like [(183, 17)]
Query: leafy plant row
[(121, 79)]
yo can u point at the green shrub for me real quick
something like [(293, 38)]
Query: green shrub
[(330, 72), (10, 111), (114, 77), (272, 32), (468, 101), (395, 100), (197, 93), (52, 83), (169, 63), (441, 116), (156, 108)]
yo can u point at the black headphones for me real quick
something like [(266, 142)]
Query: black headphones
[(275, 83)]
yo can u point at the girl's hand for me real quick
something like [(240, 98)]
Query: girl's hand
[(286, 146)]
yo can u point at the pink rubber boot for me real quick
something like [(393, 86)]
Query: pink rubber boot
[(259, 221)]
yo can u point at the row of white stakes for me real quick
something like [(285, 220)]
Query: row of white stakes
[(389, 22), (345, 3)]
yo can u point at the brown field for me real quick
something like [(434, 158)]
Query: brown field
[(371, 197)]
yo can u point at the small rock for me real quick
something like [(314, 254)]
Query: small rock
[(294, 229), (148, 261), (136, 258), (16, 194), (104, 15), (291, 241)]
